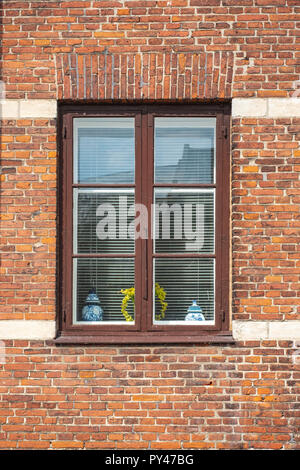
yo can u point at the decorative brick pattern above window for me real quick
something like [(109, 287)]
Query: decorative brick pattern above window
[(154, 76)]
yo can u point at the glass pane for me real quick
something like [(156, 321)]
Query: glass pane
[(184, 221), (104, 150), (184, 281), (101, 221), (106, 277), (184, 150)]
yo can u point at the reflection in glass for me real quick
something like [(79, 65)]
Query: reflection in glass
[(106, 277), (184, 150), (185, 280), (104, 150)]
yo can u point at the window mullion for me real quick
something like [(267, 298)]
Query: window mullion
[(139, 242), (147, 183)]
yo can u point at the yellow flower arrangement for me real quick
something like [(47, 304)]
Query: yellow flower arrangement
[(129, 295)]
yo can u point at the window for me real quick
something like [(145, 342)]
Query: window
[(144, 223)]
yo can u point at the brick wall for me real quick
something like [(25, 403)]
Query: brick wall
[(257, 39), (29, 219), (244, 395), (265, 216)]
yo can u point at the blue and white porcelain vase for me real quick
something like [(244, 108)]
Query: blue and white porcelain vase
[(194, 313), (92, 310)]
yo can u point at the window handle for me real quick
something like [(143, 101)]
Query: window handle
[(146, 271)]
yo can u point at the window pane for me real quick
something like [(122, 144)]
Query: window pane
[(101, 221), (106, 277), (184, 150), (184, 280), (184, 221), (104, 150)]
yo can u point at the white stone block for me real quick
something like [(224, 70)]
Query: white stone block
[(249, 107), (38, 108), (272, 330), (289, 330), (9, 109), (249, 330), (283, 107), (27, 329)]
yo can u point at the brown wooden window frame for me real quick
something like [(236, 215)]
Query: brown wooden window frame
[(143, 330)]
